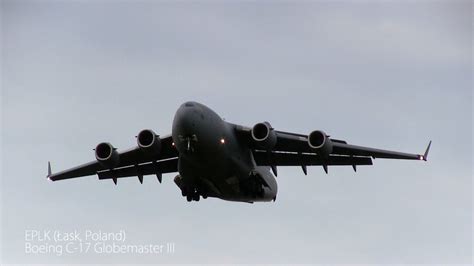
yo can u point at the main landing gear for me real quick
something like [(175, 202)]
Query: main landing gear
[(193, 194)]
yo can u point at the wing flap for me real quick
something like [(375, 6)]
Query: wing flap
[(294, 159), (86, 169), (151, 168), (347, 149)]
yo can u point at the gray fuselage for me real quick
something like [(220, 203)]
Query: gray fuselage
[(213, 161)]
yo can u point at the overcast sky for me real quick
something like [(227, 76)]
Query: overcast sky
[(382, 74)]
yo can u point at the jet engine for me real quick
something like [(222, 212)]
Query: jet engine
[(264, 136), (319, 141), (107, 155), (148, 141)]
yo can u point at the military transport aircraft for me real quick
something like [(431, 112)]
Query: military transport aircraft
[(215, 158)]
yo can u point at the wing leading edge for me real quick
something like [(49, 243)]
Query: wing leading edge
[(347, 149)]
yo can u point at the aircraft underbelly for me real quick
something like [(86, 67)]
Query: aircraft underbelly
[(227, 183)]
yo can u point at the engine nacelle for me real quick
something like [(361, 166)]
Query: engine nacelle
[(107, 155), (319, 141), (264, 136), (148, 141)]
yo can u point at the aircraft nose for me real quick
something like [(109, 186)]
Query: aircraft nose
[(186, 124), (185, 128), (196, 129), (188, 104), (186, 118)]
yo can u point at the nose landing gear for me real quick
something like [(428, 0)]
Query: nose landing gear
[(189, 141), (193, 194)]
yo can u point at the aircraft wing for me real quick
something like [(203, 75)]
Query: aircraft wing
[(293, 149), (132, 162)]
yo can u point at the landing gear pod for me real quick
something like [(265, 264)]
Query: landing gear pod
[(260, 185)]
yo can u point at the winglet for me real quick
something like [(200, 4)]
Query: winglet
[(49, 170), (424, 157)]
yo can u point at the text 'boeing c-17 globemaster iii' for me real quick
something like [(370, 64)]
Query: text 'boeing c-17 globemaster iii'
[(218, 159)]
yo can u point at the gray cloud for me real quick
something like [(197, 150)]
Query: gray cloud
[(388, 75)]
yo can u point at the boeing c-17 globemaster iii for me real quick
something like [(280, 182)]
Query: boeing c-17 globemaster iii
[(215, 158)]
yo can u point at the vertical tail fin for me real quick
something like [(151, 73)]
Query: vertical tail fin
[(49, 170), (425, 156)]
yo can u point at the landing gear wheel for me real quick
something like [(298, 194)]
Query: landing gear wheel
[(189, 198), (196, 196)]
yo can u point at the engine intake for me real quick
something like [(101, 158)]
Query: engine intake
[(107, 155), (264, 136), (319, 141), (148, 141)]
